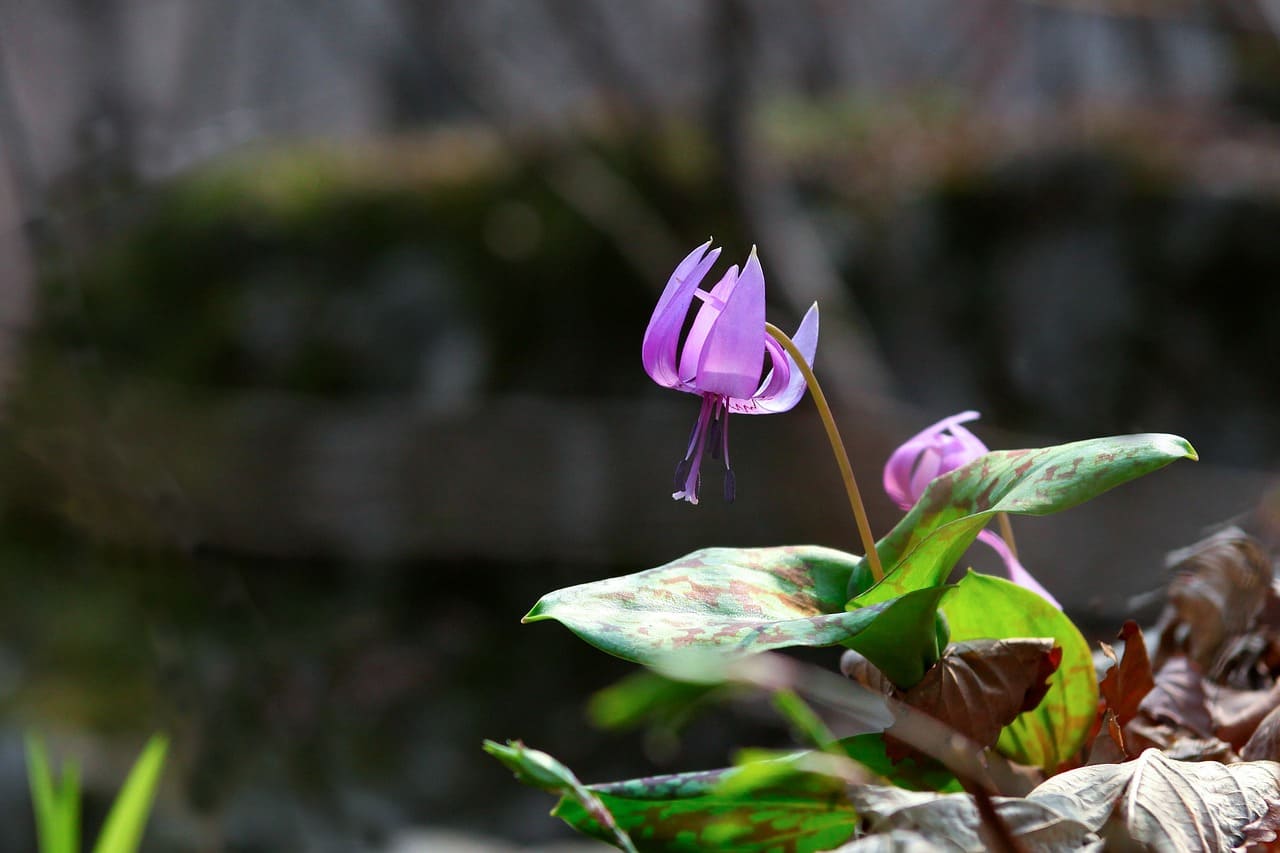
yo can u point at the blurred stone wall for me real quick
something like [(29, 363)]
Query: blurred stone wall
[(314, 362)]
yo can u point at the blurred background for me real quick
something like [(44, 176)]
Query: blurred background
[(320, 332)]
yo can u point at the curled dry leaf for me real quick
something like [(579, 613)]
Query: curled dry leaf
[(1263, 835), (1265, 742), (1220, 587), (1240, 713), (1109, 745), (1122, 688), (855, 666), (978, 687), (1130, 679), (1178, 701)]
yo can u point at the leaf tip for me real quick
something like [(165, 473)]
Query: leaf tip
[(536, 614), (498, 750), (1181, 448)]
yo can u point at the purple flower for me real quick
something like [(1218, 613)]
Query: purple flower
[(941, 449), (932, 452), (722, 357)]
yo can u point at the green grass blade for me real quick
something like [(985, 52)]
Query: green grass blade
[(69, 818), (123, 829), (57, 813)]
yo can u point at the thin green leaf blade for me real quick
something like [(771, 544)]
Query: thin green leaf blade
[(57, 809), (69, 801), (924, 546), (763, 806), (736, 600), (537, 768), (982, 606), (125, 823)]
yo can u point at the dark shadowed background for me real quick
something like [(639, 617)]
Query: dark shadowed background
[(320, 352)]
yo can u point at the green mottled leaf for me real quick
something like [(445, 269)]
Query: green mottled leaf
[(982, 606), (542, 771), (739, 600), (756, 807), (924, 546), (743, 601)]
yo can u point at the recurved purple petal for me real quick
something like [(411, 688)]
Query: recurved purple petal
[(900, 481), (662, 336), (730, 359), (962, 446), (785, 385), (1017, 573)]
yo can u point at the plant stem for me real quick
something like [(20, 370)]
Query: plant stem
[(1006, 532), (837, 447)]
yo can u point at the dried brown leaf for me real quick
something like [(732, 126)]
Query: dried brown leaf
[(855, 666), (1108, 745), (1265, 742), (978, 687), (1263, 835), (953, 822), (1129, 681), (1221, 586), (1238, 713), (1174, 717), (1155, 802), (1179, 698)]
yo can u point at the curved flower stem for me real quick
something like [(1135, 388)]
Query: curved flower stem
[(837, 447), (1006, 532)]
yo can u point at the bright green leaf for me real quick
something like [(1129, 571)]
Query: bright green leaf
[(903, 641), (924, 546), (122, 831), (982, 606)]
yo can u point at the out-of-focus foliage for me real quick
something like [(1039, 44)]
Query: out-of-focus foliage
[(57, 806)]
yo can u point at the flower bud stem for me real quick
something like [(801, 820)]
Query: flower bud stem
[(1006, 532), (837, 447)]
